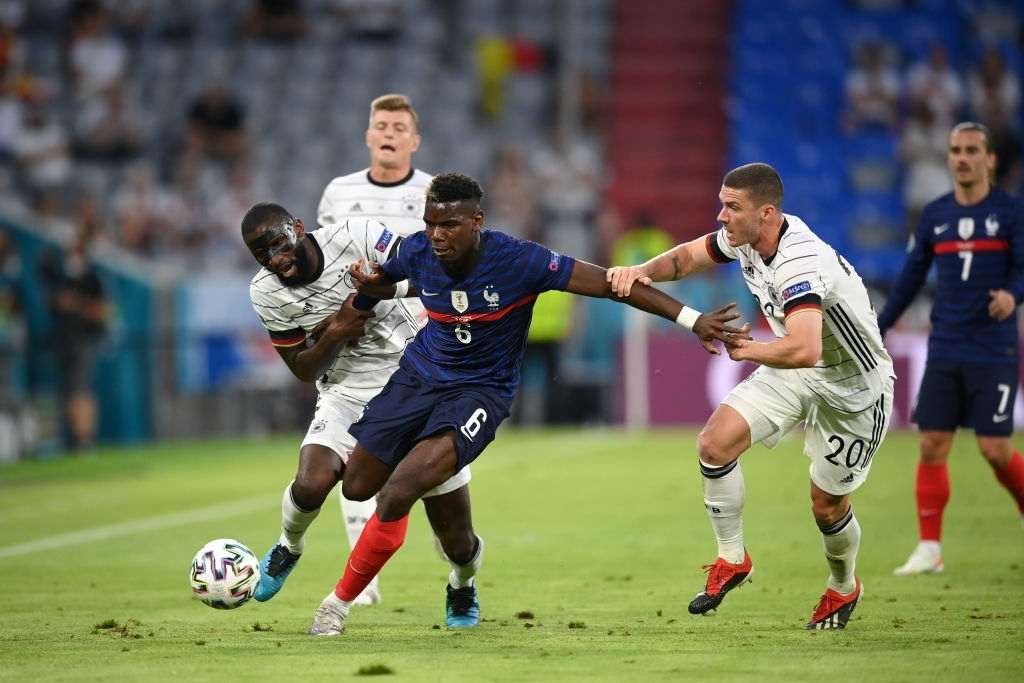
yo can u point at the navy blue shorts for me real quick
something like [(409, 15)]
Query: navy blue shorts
[(975, 395), (408, 410)]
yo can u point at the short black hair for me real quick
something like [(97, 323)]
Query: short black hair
[(761, 181), (977, 128), (454, 187), (264, 213)]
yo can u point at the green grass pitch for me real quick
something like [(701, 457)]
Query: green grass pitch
[(595, 541)]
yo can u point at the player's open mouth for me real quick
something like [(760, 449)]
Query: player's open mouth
[(388, 148)]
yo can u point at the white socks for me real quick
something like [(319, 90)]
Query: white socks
[(355, 514), (294, 522), (464, 575), (724, 493), (842, 541)]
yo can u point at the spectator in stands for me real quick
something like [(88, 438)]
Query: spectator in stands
[(12, 350), (215, 129), (376, 20), (872, 91), (107, 126), (994, 90), (923, 148), (148, 214), (276, 20), (641, 242), (41, 150), (934, 82), (97, 56), (568, 174), (78, 306), (511, 204), (994, 93)]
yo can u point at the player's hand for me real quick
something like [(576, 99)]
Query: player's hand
[(622, 278), (348, 322), (712, 327), (1002, 304), (371, 280), (740, 349)]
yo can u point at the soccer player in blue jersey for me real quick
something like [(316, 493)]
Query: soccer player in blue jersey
[(456, 380), (975, 236)]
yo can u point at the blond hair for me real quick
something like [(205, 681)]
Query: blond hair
[(394, 102)]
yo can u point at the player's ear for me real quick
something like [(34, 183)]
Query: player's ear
[(416, 140), (299, 228)]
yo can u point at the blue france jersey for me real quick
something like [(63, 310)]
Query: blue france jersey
[(476, 324), (975, 249)]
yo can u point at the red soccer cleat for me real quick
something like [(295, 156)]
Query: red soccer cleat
[(723, 576), (834, 609)]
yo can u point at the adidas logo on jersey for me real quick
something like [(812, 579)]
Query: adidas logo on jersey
[(355, 207), (307, 307), (848, 479)]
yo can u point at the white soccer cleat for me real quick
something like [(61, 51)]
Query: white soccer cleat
[(329, 619), (926, 559), (369, 596)]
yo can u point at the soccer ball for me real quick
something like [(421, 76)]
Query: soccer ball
[(224, 574)]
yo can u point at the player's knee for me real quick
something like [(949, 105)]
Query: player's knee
[(712, 451), (935, 447), (310, 489), (395, 501), (828, 510), (996, 451), (357, 489)]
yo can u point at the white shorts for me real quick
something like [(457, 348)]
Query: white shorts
[(329, 428), (840, 445)]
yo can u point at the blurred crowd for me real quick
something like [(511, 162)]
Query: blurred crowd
[(913, 100)]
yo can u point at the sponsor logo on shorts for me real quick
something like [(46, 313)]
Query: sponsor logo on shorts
[(1000, 418)]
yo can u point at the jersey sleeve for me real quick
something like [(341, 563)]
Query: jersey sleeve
[(546, 268), (379, 241), (398, 265), (799, 279), (283, 332), (911, 278), (718, 247)]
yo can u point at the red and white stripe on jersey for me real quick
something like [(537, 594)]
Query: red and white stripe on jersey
[(490, 315)]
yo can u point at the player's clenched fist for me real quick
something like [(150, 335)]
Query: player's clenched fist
[(623, 277)]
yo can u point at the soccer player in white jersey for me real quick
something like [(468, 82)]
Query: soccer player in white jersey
[(393, 192), (826, 367), (302, 296)]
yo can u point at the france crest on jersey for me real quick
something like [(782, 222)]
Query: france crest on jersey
[(477, 324)]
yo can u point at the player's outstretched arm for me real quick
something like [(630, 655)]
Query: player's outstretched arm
[(800, 348), (590, 280), (307, 362), (675, 264)]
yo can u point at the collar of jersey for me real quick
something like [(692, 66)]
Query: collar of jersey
[(369, 179)]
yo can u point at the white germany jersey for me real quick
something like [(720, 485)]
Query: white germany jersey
[(806, 272), (290, 314), (397, 205)]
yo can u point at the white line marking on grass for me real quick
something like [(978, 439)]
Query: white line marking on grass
[(102, 533)]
